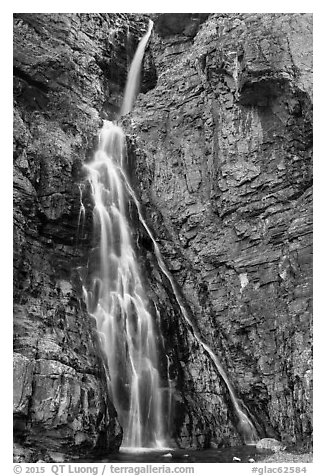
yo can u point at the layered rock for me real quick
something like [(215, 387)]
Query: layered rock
[(220, 154), (220, 157), (66, 66)]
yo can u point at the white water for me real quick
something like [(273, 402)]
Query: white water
[(117, 300), (134, 74), (81, 216), (116, 297)]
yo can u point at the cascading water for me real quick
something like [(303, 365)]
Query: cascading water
[(117, 300), (134, 74), (116, 297)]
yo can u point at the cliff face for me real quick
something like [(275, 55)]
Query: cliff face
[(65, 67), (219, 156), (221, 159)]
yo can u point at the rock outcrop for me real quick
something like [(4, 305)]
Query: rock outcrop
[(270, 444), (220, 154)]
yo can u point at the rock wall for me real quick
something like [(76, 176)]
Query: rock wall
[(220, 156), (66, 66)]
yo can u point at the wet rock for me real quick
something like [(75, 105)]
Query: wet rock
[(223, 148), (270, 444), (57, 457)]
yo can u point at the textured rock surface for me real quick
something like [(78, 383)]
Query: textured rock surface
[(65, 68), (284, 457), (270, 444), (221, 152), (220, 157)]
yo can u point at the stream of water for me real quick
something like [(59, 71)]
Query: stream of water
[(115, 296), (118, 301)]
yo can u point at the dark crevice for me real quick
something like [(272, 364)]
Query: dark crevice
[(31, 81)]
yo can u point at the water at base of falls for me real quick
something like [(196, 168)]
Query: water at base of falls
[(243, 454), (116, 298)]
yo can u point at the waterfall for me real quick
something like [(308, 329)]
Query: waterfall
[(116, 295), (116, 298), (134, 74), (118, 302)]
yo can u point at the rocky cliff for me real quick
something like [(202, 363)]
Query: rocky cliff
[(222, 163), (66, 68), (220, 158)]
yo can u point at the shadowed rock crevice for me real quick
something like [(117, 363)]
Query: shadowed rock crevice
[(187, 24)]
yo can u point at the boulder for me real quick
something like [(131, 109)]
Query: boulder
[(270, 444)]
